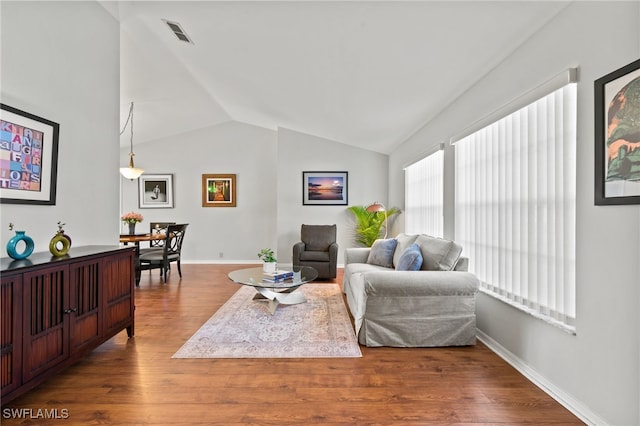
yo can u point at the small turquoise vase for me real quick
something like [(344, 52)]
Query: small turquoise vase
[(13, 243)]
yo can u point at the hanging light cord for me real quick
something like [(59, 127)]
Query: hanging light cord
[(129, 119), (130, 172)]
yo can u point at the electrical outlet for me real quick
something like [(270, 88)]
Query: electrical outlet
[(221, 255)]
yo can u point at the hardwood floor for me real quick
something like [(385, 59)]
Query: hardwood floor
[(135, 381)]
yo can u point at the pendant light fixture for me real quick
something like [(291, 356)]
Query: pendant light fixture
[(131, 172)]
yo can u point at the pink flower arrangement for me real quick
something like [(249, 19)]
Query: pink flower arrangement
[(132, 217)]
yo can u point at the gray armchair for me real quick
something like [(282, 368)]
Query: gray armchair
[(318, 249)]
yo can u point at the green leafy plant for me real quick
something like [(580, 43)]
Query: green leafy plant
[(369, 224), (267, 255)]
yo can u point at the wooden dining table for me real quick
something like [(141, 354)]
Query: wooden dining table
[(137, 239)]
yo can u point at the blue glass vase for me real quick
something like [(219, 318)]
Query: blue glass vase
[(13, 243)]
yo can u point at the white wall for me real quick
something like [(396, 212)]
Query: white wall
[(298, 152), (596, 372), (230, 148), (269, 210), (60, 61)]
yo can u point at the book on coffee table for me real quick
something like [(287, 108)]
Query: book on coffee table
[(277, 276)]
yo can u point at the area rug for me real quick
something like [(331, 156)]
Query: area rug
[(244, 328)]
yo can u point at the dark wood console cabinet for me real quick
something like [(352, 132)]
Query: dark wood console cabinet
[(53, 311)]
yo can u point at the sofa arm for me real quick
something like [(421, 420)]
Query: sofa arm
[(333, 257), (298, 248), (356, 255), (419, 283), (462, 264)]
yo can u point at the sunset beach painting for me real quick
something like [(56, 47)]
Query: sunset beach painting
[(328, 188)]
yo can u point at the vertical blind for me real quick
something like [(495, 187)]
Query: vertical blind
[(515, 190), (424, 196)]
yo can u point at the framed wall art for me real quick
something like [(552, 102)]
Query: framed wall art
[(219, 190), (155, 191), (325, 188), (617, 136), (28, 157)]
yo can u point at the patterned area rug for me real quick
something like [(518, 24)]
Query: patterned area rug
[(244, 328)]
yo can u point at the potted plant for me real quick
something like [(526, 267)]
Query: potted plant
[(369, 224), (269, 260)]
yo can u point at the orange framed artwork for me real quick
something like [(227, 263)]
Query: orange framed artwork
[(219, 190)]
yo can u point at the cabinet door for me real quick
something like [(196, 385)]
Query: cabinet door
[(118, 290), (84, 303), (46, 324), (10, 332)]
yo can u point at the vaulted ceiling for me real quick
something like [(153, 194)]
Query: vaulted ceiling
[(363, 73)]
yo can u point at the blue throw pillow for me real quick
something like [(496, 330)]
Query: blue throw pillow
[(411, 259), (381, 253)]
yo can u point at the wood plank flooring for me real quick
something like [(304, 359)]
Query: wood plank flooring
[(135, 381)]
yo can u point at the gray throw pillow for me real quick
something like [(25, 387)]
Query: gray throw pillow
[(411, 259), (381, 253), (438, 254)]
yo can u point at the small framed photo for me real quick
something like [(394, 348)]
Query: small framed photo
[(219, 190), (28, 157), (325, 188), (617, 136), (155, 191)]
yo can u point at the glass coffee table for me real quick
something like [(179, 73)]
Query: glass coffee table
[(278, 293)]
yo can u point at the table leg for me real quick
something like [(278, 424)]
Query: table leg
[(277, 298), (138, 270)]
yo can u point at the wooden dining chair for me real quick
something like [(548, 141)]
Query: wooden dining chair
[(156, 228), (171, 252)]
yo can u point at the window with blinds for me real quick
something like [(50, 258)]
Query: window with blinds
[(424, 196), (515, 202)]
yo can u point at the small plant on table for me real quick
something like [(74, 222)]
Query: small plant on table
[(269, 259)]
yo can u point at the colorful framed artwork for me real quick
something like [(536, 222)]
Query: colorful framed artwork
[(325, 188), (617, 136), (155, 191), (28, 157), (219, 190)]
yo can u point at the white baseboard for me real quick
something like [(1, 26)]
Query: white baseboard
[(570, 403), (234, 262), (221, 262)]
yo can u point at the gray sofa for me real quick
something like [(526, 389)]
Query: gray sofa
[(431, 304)]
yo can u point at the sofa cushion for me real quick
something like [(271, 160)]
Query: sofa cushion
[(382, 251), (438, 254), (411, 259), (404, 241), (315, 256)]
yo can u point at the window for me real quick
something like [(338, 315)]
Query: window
[(424, 196), (515, 184)]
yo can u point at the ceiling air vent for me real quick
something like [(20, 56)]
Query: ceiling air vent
[(178, 31)]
